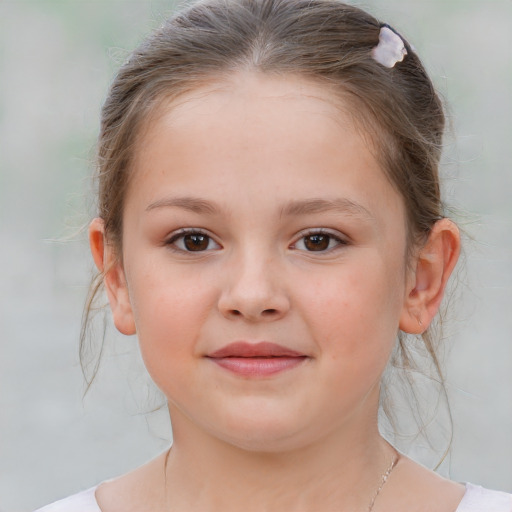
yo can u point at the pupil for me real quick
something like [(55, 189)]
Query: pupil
[(317, 242), (196, 242)]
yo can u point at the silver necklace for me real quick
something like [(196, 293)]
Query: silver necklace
[(384, 479)]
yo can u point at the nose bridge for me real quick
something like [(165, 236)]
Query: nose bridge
[(254, 286)]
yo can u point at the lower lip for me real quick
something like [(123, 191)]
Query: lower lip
[(258, 366)]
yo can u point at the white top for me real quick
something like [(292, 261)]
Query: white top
[(476, 499), (82, 502)]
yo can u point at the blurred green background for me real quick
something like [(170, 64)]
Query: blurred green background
[(56, 60)]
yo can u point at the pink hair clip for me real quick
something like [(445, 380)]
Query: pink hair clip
[(391, 48)]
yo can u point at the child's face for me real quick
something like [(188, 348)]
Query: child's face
[(300, 241)]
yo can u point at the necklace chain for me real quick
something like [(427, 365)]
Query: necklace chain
[(384, 479)]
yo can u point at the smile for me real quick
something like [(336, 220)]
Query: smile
[(256, 360)]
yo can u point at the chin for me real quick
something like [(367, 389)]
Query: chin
[(265, 434)]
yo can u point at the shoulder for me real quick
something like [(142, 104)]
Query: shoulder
[(430, 491), (412, 487), (478, 499), (82, 502)]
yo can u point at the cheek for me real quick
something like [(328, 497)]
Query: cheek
[(356, 309), (170, 309)]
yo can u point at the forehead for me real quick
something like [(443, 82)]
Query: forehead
[(241, 87), (254, 132), (252, 98)]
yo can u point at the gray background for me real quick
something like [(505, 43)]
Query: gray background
[(56, 60)]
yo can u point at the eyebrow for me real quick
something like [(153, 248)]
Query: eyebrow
[(318, 205), (296, 207), (192, 204)]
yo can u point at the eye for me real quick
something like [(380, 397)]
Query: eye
[(318, 241), (192, 241)]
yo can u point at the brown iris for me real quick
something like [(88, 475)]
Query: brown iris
[(196, 242), (317, 242)]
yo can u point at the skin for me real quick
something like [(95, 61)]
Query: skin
[(245, 161)]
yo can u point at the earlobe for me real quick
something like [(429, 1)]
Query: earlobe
[(114, 280), (434, 264)]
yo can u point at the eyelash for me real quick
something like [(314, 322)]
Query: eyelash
[(182, 233)]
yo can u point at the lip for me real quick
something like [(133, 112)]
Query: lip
[(261, 349), (256, 359)]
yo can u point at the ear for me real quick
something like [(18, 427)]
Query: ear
[(109, 265), (433, 266)]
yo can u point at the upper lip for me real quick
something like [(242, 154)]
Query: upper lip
[(261, 349)]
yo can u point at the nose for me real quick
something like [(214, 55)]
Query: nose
[(254, 290)]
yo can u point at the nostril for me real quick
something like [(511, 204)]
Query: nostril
[(269, 312)]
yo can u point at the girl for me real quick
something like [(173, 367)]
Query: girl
[(269, 224)]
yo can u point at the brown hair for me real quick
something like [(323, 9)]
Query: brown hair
[(324, 40)]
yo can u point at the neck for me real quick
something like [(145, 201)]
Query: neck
[(340, 471)]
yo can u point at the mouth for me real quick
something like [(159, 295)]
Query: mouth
[(256, 359)]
